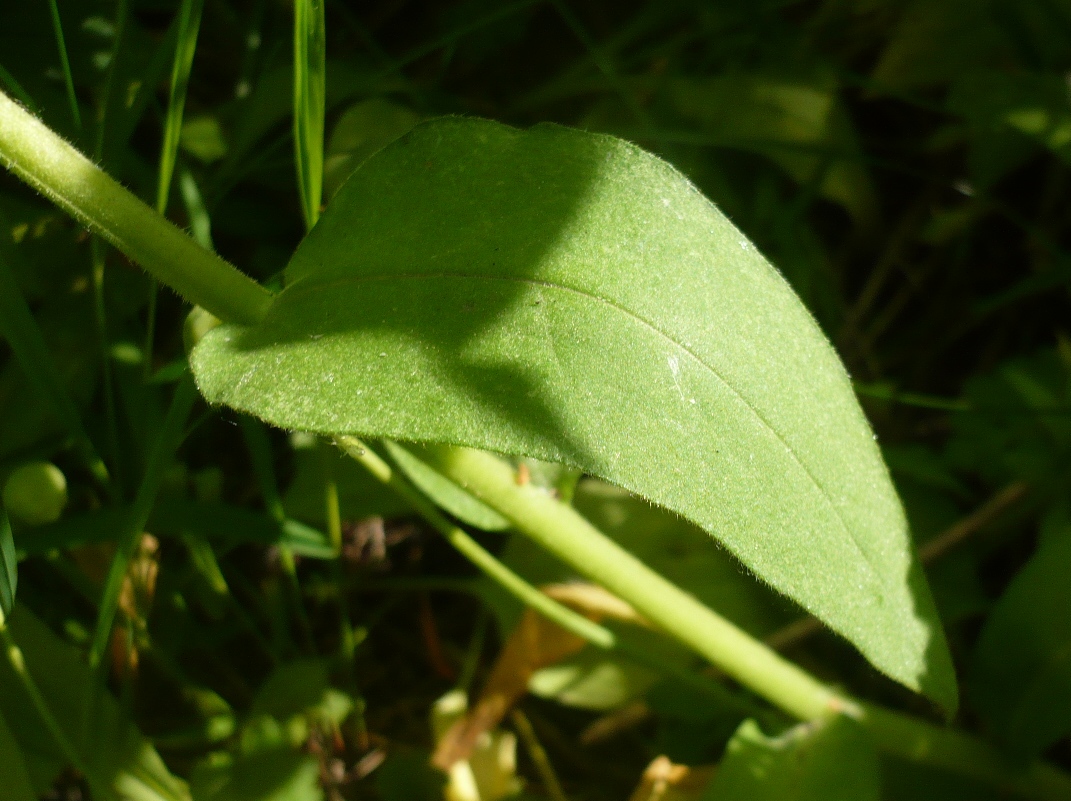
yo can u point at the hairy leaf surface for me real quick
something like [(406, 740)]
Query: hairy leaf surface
[(566, 296)]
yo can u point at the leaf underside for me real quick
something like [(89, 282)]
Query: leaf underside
[(569, 297)]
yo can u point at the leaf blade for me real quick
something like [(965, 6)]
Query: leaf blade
[(1021, 677), (811, 762), (468, 285)]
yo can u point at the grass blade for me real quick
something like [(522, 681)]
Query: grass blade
[(309, 99), (9, 576), (16, 90), (68, 79), (167, 442), (189, 24)]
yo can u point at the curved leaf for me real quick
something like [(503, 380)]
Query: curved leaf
[(567, 296), (448, 495), (1021, 678), (829, 759)]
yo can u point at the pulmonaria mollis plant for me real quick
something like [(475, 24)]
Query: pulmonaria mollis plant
[(471, 296)]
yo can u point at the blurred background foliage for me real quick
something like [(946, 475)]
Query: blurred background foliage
[(904, 163)]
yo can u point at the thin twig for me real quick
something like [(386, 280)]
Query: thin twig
[(979, 519)]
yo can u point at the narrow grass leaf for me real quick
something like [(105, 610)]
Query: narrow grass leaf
[(1021, 677), (9, 566), (168, 440), (457, 501), (566, 296), (16, 90), (222, 523), (65, 63), (310, 87), (189, 21), (121, 763), (188, 26)]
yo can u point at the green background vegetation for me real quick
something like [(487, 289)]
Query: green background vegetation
[(903, 164)]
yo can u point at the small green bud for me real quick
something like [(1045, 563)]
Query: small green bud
[(36, 493), (198, 323)]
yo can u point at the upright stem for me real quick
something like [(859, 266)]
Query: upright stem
[(57, 170), (519, 588), (564, 532)]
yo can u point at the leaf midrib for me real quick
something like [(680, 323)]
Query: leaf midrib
[(308, 285)]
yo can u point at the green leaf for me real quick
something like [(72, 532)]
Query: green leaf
[(683, 553), (9, 565), (455, 500), (567, 296), (798, 123), (14, 777), (292, 688), (818, 761), (226, 524), (268, 775), (1021, 677), (409, 776), (122, 763), (362, 129)]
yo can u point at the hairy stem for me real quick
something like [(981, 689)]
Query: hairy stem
[(57, 170), (564, 532), (573, 622)]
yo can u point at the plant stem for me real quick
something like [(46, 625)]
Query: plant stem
[(475, 553), (538, 756), (570, 537), (57, 170), (919, 741), (573, 622), (565, 533)]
